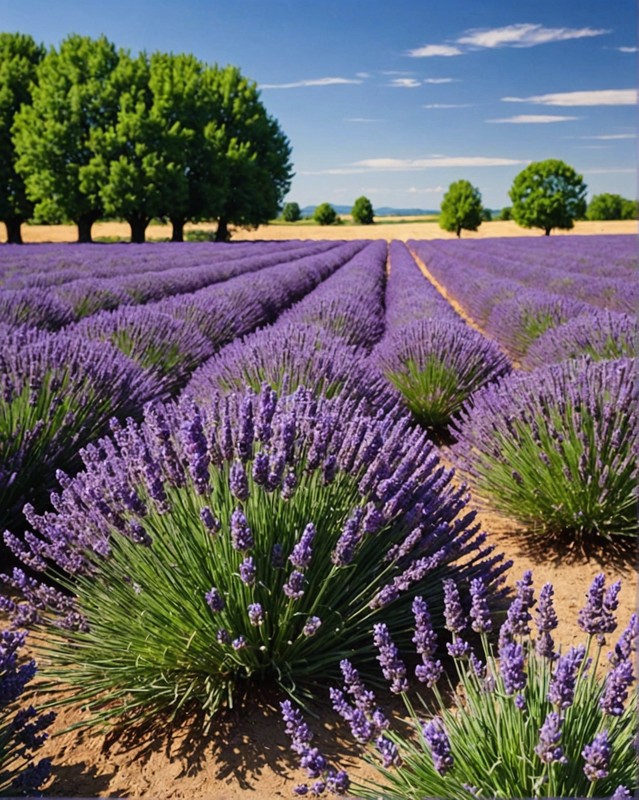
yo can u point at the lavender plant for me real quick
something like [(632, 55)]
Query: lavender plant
[(56, 392), (287, 356), (524, 720), (601, 335), (437, 365), (249, 540), (556, 448), (38, 309), (22, 730)]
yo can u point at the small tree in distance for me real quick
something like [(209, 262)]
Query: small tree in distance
[(325, 214), (291, 212), (611, 206), (505, 214), (461, 208), (362, 211), (548, 194)]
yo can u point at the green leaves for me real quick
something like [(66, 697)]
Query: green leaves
[(548, 194), (461, 208)]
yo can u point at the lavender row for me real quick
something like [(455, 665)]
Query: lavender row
[(321, 342), (431, 357), (57, 306)]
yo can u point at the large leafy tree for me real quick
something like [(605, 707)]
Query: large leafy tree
[(461, 208), (548, 194), (255, 154), (138, 170), (362, 211), (74, 96), (611, 206), (19, 58)]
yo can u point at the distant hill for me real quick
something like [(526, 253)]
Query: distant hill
[(384, 211)]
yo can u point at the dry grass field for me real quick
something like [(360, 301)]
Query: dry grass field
[(389, 228)]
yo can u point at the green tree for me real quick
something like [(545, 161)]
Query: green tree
[(548, 194), (74, 96), (362, 211), (610, 206), (291, 212), (461, 208), (506, 214), (19, 58), (137, 170), (325, 214), (486, 215), (253, 150)]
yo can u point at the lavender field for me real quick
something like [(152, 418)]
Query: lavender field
[(271, 467)]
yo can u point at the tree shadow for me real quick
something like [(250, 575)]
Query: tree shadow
[(75, 780)]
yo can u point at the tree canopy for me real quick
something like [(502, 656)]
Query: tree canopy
[(362, 211), (461, 208), (611, 206), (291, 212), (548, 194), (19, 58), (325, 214), (108, 133)]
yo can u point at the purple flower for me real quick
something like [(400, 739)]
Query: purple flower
[(626, 644), (597, 617), (293, 586), (223, 636), (277, 556), (596, 756), (214, 600), (519, 616), (392, 666), (241, 536), (546, 621), (388, 751), (479, 611), (453, 612), (439, 745), (511, 667), (239, 643), (618, 681), (255, 614), (561, 692), (238, 482), (247, 571), (364, 699), (338, 782), (548, 748), (346, 545), (620, 793), (429, 672), (425, 638), (208, 520), (311, 626), (261, 468), (300, 556), (458, 648)]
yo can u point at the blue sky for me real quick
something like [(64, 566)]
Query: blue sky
[(397, 99)]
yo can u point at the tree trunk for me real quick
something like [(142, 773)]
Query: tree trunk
[(547, 231), (14, 235), (85, 223), (222, 234), (459, 230), (178, 230), (138, 228)]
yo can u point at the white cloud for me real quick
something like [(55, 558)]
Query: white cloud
[(311, 82), (405, 83), (598, 97), (628, 49), (425, 190), (430, 50), (362, 75), (437, 161), (396, 72), (610, 136), (440, 80), (524, 34), (539, 119), (448, 105)]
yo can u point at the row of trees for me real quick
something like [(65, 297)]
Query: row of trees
[(546, 194), (324, 214), (88, 131)]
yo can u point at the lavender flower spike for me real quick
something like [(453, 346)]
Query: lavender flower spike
[(511, 666), (561, 692), (479, 611), (597, 757), (256, 614), (453, 612), (439, 744), (300, 556), (241, 536), (393, 667), (548, 748), (618, 681), (597, 617)]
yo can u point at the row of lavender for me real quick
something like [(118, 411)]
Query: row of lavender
[(516, 299), (58, 305), (59, 389)]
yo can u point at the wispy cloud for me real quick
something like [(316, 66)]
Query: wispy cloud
[(402, 164), (396, 72), (535, 119), (361, 119), (627, 49), (608, 136), (447, 105), (311, 82), (440, 80), (430, 50), (405, 83), (425, 189), (615, 170), (598, 97), (525, 34), (362, 75)]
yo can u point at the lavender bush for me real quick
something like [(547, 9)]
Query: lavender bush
[(287, 356), (556, 448), (525, 720), (250, 539), (22, 730), (601, 335), (40, 309), (56, 392), (437, 365)]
